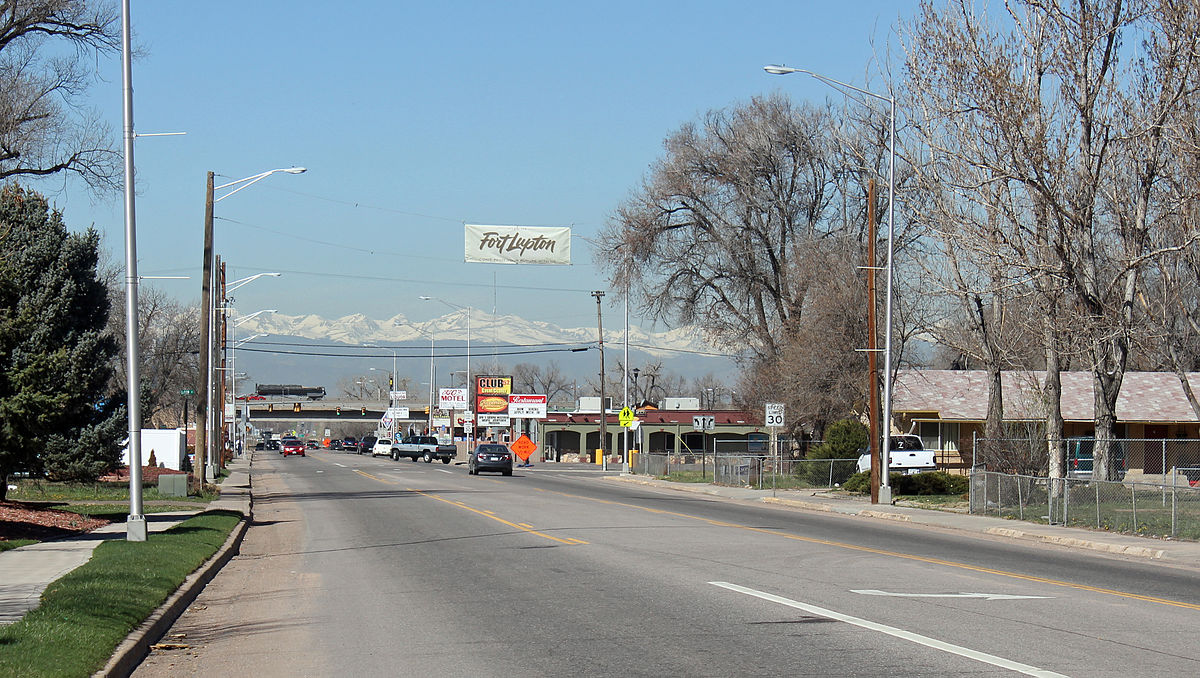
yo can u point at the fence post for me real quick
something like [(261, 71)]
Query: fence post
[(1097, 486), (1020, 500), (1173, 477), (1133, 493), (1066, 500)]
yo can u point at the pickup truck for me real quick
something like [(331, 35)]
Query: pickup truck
[(423, 447)]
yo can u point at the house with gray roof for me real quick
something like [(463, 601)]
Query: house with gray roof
[(947, 408)]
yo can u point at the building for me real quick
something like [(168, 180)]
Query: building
[(658, 432), (948, 408)]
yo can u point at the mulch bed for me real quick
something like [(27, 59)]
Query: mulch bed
[(150, 474), (34, 520)]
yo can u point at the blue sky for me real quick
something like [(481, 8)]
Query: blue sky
[(415, 117)]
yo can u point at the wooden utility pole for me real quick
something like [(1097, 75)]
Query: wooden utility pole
[(873, 369), (205, 346)]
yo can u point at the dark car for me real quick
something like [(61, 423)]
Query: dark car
[(367, 444), (292, 446), (311, 444), (335, 444), (350, 444), (260, 445), (490, 457), (273, 445)]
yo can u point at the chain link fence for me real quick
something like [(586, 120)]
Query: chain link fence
[(746, 470), (1145, 508)]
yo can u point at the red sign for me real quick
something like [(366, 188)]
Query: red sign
[(524, 447)]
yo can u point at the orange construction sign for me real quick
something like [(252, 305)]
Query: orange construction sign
[(524, 447)]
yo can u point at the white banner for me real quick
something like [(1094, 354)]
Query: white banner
[(441, 421), (397, 412), (527, 406), (497, 420), (452, 398), (518, 244), (398, 395)]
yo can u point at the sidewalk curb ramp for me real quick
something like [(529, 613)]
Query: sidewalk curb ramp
[(136, 646)]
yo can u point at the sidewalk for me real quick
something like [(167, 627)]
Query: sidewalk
[(26, 572), (1183, 553)]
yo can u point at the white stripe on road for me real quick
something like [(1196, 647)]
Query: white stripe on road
[(445, 471), (897, 633), (337, 464)]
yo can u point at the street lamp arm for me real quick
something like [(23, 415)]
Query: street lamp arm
[(785, 70), (253, 179), (242, 281), (246, 318)]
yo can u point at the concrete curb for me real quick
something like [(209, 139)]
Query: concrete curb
[(136, 646), (1006, 532)]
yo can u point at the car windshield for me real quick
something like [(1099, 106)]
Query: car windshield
[(907, 443), (492, 448), (383, 441)]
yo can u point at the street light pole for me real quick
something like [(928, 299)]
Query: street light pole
[(471, 437), (599, 294), (135, 524), (885, 489)]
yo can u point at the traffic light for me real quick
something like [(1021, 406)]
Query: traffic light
[(295, 407), (337, 411), (270, 407), (363, 411)]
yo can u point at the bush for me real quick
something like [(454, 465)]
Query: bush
[(934, 482), (843, 439)]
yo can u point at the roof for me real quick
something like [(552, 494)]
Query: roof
[(962, 395), (723, 417)]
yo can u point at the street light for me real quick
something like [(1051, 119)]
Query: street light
[(204, 442), (885, 489), (430, 335), (240, 432), (599, 294), (471, 437)]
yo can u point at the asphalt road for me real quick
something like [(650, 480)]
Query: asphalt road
[(369, 567)]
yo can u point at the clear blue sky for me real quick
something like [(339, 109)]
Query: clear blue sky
[(414, 117)]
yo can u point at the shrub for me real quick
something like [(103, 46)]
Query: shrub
[(934, 482)]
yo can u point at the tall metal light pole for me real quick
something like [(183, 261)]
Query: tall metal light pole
[(135, 524), (885, 489), (204, 436), (471, 437), (599, 294)]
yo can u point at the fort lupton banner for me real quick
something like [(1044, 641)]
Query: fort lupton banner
[(518, 244)]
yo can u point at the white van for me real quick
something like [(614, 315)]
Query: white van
[(908, 456)]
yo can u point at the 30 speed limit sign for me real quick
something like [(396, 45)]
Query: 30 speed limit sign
[(775, 415)]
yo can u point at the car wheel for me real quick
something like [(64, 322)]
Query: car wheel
[(445, 460), (427, 457), (413, 458), (507, 472), (470, 471), (395, 457)]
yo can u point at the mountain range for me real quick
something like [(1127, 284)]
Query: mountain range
[(315, 351)]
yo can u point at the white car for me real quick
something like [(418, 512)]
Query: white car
[(383, 447), (907, 456)]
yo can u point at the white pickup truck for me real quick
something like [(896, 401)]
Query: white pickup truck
[(423, 447), (908, 455)]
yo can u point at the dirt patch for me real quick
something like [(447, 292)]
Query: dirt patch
[(35, 520), (150, 474)]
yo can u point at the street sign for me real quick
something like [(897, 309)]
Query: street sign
[(398, 395), (527, 406), (625, 418), (775, 415), (452, 398), (487, 419), (397, 412), (704, 422), (524, 447)]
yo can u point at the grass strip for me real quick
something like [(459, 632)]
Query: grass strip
[(6, 544), (86, 614), (120, 512), (47, 491)]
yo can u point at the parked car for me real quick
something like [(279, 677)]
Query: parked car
[(335, 444), (908, 455), (293, 446), (490, 457), (1080, 453), (350, 444), (311, 444), (260, 445), (367, 445)]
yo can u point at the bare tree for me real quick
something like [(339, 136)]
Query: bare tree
[(45, 50)]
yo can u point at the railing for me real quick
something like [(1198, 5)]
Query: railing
[(1153, 509), (747, 470)]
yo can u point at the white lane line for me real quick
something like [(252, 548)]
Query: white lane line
[(445, 471), (337, 464), (985, 596), (897, 633)]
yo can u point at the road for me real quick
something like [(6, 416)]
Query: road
[(369, 567)]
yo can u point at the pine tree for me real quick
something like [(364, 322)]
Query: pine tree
[(56, 416)]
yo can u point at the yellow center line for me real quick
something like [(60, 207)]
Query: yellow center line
[(486, 514), (895, 554)]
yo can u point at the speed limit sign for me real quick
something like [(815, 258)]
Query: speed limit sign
[(775, 415)]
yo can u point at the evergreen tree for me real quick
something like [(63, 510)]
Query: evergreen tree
[(55, 356)]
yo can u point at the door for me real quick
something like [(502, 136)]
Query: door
[(1154, 449)]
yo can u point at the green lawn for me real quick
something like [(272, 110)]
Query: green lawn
[(120, 512), (41, 490), (87, 613), (8, 544)]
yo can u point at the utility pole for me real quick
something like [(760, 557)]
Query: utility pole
[(872, 363), (205, 346), (603, 410)]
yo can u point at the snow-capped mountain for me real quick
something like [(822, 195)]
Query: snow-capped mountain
[(482, 328)]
